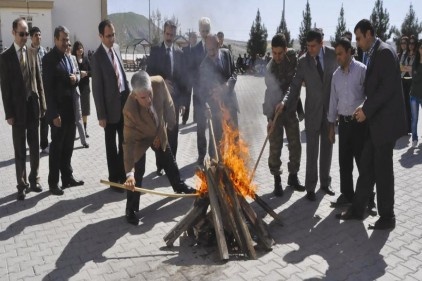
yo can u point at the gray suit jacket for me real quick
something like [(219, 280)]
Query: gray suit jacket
[(105, 89), (317, 91)]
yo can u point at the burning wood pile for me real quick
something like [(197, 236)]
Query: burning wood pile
[(231, 221)]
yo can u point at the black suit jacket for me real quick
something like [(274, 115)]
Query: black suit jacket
[(212, 75), (199, 55), (57, 86), (157, 66), (384, 104), (13, 87), (189, 62)]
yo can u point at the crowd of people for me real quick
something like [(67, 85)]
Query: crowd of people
[(364, 95)]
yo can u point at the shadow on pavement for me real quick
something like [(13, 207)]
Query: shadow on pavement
[(19, 206)]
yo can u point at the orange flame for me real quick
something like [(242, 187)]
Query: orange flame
[(235, 157)]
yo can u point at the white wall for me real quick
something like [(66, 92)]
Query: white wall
[(40, 18), (81, 17)]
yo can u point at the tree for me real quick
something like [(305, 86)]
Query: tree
[(341, 27), (380, 19), (282, 28), (305, 26), (257, 43), (156, 31), (410, 26)]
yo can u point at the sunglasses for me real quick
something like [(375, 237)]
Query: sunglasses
[(23, 34), (110, 35)]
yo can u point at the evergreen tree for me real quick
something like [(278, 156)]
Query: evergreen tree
[(380, 19), (341, 27), (411, 25), (257, 43), (305, 26), (282, 28)]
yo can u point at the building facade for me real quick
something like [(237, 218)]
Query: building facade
[(81, 17)]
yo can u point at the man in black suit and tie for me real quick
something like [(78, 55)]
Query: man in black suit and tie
[(384, 111), (24, 104), (60, 84), (217, 81), (166, 60), (199, 107), (110, 90), (189, 62)]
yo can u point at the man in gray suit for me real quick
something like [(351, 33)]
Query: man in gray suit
[(315, 68), (110, 90)]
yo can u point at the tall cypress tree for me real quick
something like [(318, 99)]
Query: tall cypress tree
[(282, 28), (257, 43), (341, 27), (305, 26), (380, 20), (411, 25)]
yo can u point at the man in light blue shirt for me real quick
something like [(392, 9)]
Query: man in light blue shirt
[(347, 93)]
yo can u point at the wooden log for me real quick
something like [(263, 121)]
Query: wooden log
[(260, 227), (198, 208), (238, 216), (217, 219), (268, 209)]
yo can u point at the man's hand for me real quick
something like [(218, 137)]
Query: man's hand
[(359, 115), (57, 122), (279, 107), (84, 74), (11, 121), (73, 79), (331, 133), (130, 183), (102, 123), (156, 143)]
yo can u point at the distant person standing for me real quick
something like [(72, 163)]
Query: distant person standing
[(84, 87), (189, 61), (24, 104), (110, 89), (198, 106), (384, 111), (416, 92), (280, 71), (220, 36), (166, 60), (60, 83), (35, 34), (315, 68)]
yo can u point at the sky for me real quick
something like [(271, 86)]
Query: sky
[(235, 17)]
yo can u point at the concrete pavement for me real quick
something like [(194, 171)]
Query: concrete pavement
[(82, 235)]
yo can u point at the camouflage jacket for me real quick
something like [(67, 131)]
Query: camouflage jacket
[(277, 79)]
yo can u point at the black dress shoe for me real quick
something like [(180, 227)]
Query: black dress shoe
[(327, 189), (131, 217), (293, 181), (36, 187), (348, 215), (310, 195), (383, 224), (186, 190), (55, 190), (21, 195), (341, 201), (159, 172), (71, 183), (86, 145), (86, 135)]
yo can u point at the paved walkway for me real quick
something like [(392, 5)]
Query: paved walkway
[(82, 235)]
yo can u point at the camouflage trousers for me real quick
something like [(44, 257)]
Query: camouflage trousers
[(290, 123)]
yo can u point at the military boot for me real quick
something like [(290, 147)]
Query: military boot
[(278, 188), (294, 182)]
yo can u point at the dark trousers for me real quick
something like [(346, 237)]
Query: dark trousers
[(407, 83), (114, 151), (376, 167), (201, 126), (21, 135), (187, 110), (172, 136), (169, 166), (351, 136), (61, 150), (43, 133)]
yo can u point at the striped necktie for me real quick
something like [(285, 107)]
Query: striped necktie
[(115, 66), (25, 74)]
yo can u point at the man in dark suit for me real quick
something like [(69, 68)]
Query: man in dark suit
[(315, 68), (110, 90), (24, 103), (60, 84), (148, 110), (384, 111), (189, 62), (198, 107), (166, 60), (216, 86)]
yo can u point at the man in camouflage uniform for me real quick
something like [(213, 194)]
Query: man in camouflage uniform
[(280, 71)]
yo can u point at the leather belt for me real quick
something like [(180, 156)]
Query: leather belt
[(346, 118)]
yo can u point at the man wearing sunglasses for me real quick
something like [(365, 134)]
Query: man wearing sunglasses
[(24, 104)]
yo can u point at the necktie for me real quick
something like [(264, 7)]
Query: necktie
[(319, 68), (115, 67), (152, 116), (25, 74), (168, 64), (365, 59), (68, 63)]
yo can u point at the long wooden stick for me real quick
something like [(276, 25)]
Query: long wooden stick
[(263, 147), (211, 128), (144, 190)]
